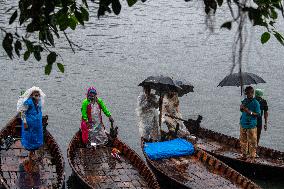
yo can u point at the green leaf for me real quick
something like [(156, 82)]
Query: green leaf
[(37, 55), (50, 37), (227, 25), (30, 27), (13, 17), (18, 47), (79, 17), (7, 44), (47, 69), (131, 2), (27, 55), (60, 67), (273, 14), (116, 6), (29, 45), (279, 37), (51, 58), (42, 35), (85, 3), (85, 14), (220, 2), (72, 22), (265, 37)]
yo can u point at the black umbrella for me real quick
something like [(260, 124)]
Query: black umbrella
[(237, 79), (186, 87), (162, 85)]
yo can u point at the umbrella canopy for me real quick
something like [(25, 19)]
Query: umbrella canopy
[(186, 87), (160, 84), (235, 79)]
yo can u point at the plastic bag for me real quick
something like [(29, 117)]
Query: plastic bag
[(97, 135)]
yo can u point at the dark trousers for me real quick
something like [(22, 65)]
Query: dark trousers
[(259, 128)]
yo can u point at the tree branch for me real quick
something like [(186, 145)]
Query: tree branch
[(69, 41)]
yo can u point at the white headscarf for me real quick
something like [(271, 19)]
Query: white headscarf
[(26, 95)]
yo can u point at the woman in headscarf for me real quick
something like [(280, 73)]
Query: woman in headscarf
[(30, 108), (148, 115), (93, 132), (171, 107)]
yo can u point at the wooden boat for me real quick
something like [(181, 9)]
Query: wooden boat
[(96, 168), (50, 170), (199, 170), (269, 164)]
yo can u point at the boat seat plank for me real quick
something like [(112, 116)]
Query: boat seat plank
[(192, 173), (12, 169), (103, 171), (227, 151)]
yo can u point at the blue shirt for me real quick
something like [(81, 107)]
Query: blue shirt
[(250, 121)]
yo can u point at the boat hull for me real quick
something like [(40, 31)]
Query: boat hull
[(96, 168), (48, 172), (269, 164), (199, 170)]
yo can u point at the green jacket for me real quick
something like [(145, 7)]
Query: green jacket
[(85, 104)]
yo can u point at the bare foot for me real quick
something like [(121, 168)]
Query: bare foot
[(251, 160), (242, 157)]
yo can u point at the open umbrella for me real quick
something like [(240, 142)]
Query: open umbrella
[(186, 87), (240, 79), (162, 84)]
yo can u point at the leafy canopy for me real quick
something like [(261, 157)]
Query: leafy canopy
[(49, 19)]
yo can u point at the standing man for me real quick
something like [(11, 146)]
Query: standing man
[(250, 109), (264, 111)]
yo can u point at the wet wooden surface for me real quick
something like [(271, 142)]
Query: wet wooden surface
[(12, 168), (103, 171), (226, 150), (193, 173)]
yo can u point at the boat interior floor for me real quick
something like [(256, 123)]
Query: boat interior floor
[(102, 170), (214, 147), (12, 168), (191, 172)]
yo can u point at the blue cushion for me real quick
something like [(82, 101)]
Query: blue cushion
[(167, 149)]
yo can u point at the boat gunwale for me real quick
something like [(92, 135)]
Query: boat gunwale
[(10, 129), (265, 152), (127, 152), (227, 169)]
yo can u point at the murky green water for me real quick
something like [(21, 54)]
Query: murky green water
[(157, 37)]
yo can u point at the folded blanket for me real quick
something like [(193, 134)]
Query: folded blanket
[(167, 149)]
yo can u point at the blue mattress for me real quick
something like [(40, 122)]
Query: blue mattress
[(167, 149)]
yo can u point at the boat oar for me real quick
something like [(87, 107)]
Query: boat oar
[(191, 124)]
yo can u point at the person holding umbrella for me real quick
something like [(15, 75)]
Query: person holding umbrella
[(171, 107), (148, 116), (250, 109), (264, 112)]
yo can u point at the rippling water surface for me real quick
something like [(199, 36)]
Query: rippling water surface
[(151, 38)]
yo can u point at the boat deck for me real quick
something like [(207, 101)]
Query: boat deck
[(192, 173), (12, 169), (224, 149), (101, 170)]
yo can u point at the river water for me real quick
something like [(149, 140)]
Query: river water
[(151, 38)]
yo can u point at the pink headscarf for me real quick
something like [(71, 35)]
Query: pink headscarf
[(91, 90)]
